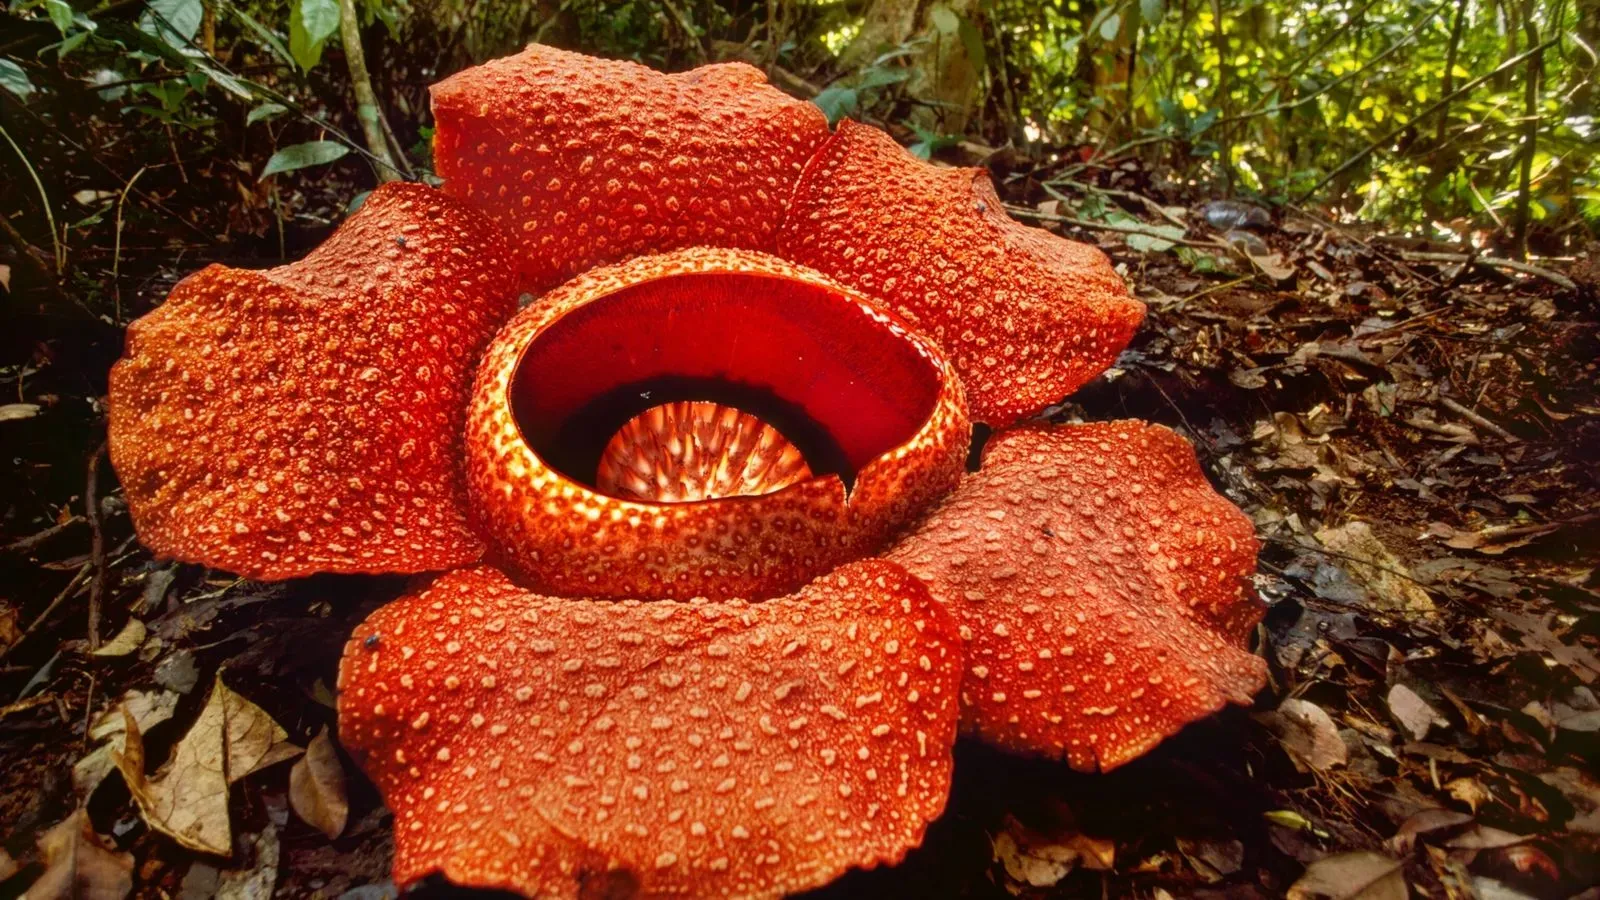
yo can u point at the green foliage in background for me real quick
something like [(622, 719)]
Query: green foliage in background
[(1428, 115)]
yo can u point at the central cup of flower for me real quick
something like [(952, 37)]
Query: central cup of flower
[(706, 423), (693, 450)]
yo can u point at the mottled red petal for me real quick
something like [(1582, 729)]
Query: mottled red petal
[(567, 748), (1025, 316), (1102, 587), (589, 161), (308, 418), (888, 400)]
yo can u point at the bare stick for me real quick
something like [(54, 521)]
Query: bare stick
[(97, 546), (1026, 213), (49, 215), (1493, 262), (1478, 420)]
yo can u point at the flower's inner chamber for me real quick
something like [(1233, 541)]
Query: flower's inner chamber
[(695, 387), (697, 450)]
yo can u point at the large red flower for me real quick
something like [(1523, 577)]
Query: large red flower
[(717, 593)]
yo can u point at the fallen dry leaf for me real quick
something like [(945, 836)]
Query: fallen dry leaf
[(127, 640), (1038, 867), (1495, 539), (13, 411), (1412, 712), (149, 709), (316, 787), (1362, 875), (1385, 577), (1308, 734), (1469, 791), (1032, 859), (187, 800), (10, 625), (1212, 860), (1426, 822), (78, 866)]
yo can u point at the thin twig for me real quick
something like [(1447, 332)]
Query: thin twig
[(66, 592), (49, 214), (1120, 229), (97, 545), (36, 540), (116, 246), (1494, 263), (1478, 420)]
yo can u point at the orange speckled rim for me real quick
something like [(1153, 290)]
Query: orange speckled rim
[(568, 748), (885, 396)]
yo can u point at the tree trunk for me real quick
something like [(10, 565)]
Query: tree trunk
[(943, 74)]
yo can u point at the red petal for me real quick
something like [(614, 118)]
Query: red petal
[(590, 161), (1102, 586), (883, 397), (1025, 316), (308, 418), (563, 747)]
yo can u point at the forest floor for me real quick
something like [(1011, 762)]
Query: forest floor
[(1416, 441)]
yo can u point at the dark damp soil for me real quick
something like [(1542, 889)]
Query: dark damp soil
[(1416, 442)]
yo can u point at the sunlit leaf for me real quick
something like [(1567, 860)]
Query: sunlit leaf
[(1110, 26), (60, 14), (174, 21), (836, 102), (311, 24), (264, 111), (13, 79), (300, 156)]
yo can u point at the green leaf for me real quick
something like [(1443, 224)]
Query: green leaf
[(1159, 238), (972, 40), (264, 111), (70, 43), (174, 21), (879, 76), (836, 102), (300, 156), (311, 23), (60, 14), (13, 79), (1153, 11), (225, 81), (1110, 26), (943, 19), (265, 34)]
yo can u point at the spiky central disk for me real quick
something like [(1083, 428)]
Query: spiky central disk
[(697, 450)]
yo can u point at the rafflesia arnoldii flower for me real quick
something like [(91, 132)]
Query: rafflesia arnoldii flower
[(718, 593)]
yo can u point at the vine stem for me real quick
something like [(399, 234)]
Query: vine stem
[(49, 215)]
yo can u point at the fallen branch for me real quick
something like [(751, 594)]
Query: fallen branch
[(1492, 262), (1466, 412), (1027, 213), (36, 540)]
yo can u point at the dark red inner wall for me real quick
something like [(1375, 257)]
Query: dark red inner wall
[(835, 380)]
